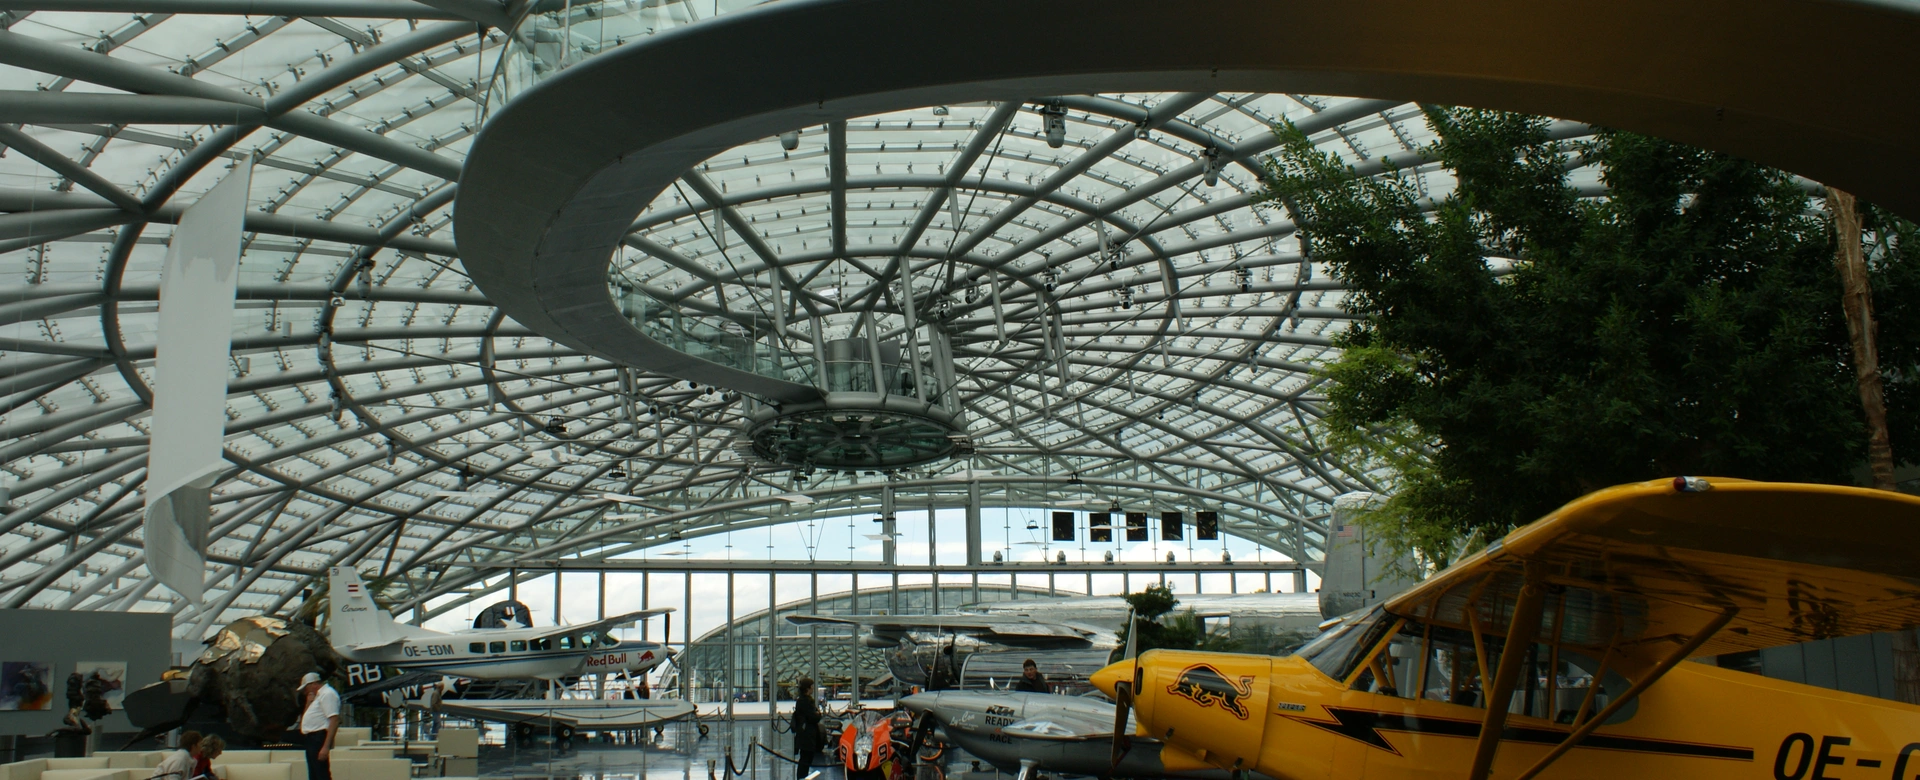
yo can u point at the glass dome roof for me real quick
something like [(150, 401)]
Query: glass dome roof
[(1128, 323)]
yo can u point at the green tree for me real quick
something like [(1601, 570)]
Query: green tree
[(1519, 345), (1162, 627)]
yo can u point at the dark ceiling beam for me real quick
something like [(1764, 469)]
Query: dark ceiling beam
[(349, 9)]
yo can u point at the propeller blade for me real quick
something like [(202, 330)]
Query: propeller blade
[(920, 727), (1123, 694), (1122, 737)]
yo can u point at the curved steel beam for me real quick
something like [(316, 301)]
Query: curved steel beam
[(557, 176)]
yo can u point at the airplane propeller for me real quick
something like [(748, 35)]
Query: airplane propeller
[(921, 726), (1123, 694)]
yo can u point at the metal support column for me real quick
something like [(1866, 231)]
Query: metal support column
[(853, 637), (813, 632), (770, 676), (686, 640), (600, 679), (728, 689), (889, 550), (973, 531)]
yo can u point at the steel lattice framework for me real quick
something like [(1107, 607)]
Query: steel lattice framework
[(382, 413)]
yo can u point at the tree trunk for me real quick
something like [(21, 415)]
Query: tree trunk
[(1857, 301)]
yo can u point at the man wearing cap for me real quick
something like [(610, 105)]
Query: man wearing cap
[(318, 723)]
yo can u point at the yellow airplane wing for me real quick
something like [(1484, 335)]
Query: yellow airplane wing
[(1657, 562)]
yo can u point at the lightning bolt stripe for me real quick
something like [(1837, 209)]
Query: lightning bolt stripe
[(1366, 726)]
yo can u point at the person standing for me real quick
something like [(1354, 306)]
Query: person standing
[(430, 710), (319, 722), (806, 727), (1031, 680)]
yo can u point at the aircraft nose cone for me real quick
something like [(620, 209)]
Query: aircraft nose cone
[(920, 702), (1113, 673)]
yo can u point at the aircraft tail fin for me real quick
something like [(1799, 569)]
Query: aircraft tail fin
[(353, 617)]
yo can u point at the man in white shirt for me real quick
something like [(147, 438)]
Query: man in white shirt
[(318, 723), (179, 764)]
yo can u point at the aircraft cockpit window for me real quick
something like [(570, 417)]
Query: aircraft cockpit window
[(1452, 668), (1555, 683), (588, 639), (1341, 650), (607, 642), (496, 647), (1574, 692), (1395, 669), (517, 645), (543, 643)]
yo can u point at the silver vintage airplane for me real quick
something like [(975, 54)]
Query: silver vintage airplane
[(1067, 638), (1025, 733), (362, 631)]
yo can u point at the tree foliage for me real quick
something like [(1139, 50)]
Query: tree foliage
[(1164, 627), (1519, 344)]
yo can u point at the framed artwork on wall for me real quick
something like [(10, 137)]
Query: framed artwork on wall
[(26, 685), (113, 674)]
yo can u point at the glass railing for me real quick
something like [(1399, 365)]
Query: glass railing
[(553, 35), (713, 339), (856, 376), (757, 350)]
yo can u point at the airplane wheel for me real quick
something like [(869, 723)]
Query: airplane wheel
[(565, 735), (523, 732), (703, 729)]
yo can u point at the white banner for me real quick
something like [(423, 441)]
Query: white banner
[(190, 382)]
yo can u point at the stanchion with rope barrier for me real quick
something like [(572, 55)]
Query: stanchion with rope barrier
[(737, 770)]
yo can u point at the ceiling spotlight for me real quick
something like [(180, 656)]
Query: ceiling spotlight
[(941, 111), (790, 140), (1053, 119), (1060, 558), (1226, 557), (997, 558), (617, 475), (1170, 556), (1211, 161), (1052, 279), (1126, 297), (1033, 525), (556, 426), (1109, 556)]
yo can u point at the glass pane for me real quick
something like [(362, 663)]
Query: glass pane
[(1338, 652)]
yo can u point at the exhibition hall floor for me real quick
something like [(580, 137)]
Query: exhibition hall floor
[(678, 754)]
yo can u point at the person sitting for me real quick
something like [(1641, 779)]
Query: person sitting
[(178, 763), (210, 748), (1031, 680)]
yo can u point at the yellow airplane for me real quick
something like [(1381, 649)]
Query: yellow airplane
[(1602, 602)]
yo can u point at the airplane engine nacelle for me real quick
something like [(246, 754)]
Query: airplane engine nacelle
[(879, 640)]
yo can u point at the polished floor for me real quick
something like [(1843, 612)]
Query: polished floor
[(678, 753)]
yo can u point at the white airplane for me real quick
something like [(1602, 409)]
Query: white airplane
[(363, 632)]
